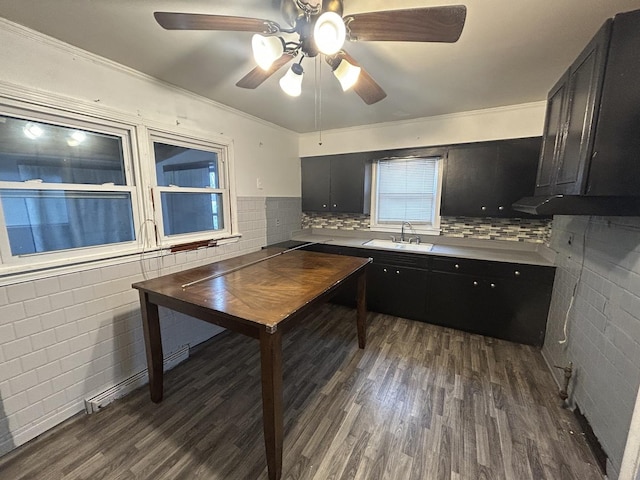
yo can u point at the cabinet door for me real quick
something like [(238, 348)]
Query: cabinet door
[(496, 299), (469, 183), (348, 181), (515, 173), (397, 291), (483, 180), (615, 169), (584, 88), (455, 301), (552, 140), (519, 310), (316, 184)]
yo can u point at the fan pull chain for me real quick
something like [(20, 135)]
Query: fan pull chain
[(315, 94), (319, 70)]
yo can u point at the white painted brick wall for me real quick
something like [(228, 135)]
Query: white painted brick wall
[(67, 337), (604, 324)]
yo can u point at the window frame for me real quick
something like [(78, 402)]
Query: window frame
[(139, 168), (417, 228), (224, 150), (9, 263)]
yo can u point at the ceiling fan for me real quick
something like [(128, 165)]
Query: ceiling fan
[(318, 27)]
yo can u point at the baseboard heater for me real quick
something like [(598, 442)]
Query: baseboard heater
[(102, 399)]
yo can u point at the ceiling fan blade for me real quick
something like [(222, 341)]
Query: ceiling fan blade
[(366, 87), (256, 76), (197, 21), (430, 24)]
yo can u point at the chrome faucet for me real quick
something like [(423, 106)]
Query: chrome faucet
[(402, 230)]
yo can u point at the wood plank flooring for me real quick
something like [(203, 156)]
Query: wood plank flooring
[(421, 402)]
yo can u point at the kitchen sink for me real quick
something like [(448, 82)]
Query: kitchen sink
[(391, 245)]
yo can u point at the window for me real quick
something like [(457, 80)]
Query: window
[(191, 190), (76, 187), (64, 185), (406, 190)]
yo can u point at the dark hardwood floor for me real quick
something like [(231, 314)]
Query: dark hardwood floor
[(421, 402)]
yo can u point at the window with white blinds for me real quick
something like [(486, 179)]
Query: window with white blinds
[(407, 190)]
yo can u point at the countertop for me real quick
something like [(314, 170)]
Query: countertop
[(491, 250)]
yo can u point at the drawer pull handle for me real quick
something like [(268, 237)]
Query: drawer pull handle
[(500, 207), (483, 208), (384, 270), (517, 273), (324, 205), (335, 205), (456, 266), (493, 285), (397, 271), (475, 284)]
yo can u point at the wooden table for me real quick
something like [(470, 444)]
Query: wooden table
[(261, 295)]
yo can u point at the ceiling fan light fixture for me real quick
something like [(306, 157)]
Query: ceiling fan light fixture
[(32, 131), (329, 33), (291, 82), (347, 74), (266, 50)]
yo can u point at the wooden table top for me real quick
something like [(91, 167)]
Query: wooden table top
[(265, 293)]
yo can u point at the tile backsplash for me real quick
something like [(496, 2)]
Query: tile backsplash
[(513, 229)]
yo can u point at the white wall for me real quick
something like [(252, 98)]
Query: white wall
[(517, 121), (262, 149), (64, 337)]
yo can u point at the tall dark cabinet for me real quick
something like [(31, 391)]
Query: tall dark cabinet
[(570, 121), (591, 141)]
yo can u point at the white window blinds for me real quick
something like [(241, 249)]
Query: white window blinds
[(407, 190)]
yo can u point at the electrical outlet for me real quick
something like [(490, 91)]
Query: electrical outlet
[(277, 222)]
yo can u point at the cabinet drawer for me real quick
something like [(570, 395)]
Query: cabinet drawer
[(493, 269), (411, 260)]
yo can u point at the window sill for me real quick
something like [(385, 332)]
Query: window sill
[(13, 274)]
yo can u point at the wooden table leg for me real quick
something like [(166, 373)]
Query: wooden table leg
[(153, 345), (271, 364), (362, 310)]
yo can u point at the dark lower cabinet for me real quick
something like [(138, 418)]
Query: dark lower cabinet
[(399, 291), (454, 301), (502, 300), (499, 308)]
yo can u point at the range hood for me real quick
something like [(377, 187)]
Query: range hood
[(579, 205)]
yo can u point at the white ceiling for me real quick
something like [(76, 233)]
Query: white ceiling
[(510, 52)]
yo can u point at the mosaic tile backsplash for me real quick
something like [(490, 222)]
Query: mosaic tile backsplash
[(513, 229)]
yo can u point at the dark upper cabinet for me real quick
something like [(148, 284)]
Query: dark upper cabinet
[(591, 141), (484, 179), (615, 165), (570, 121), (336, 183), (552, 138)]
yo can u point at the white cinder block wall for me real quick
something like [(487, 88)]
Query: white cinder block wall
[(604, 322), (67, 335)]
